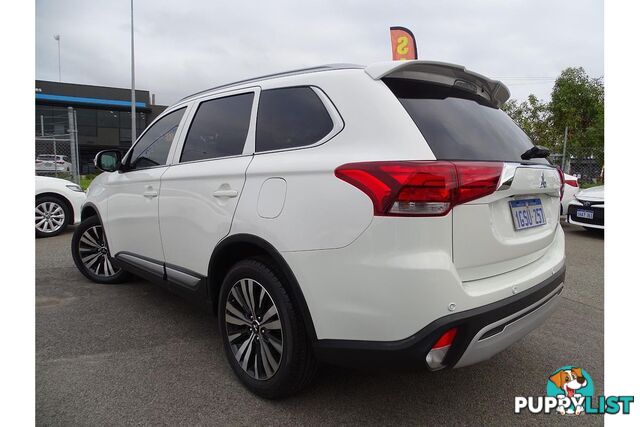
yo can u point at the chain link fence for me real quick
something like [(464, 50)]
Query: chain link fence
[(56, 147), (587, 164)]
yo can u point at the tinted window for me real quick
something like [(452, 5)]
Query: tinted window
[(457, 125), (290, 117), (153, 148), (219, 128)]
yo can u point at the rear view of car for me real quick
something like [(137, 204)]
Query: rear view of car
[(471, 224), (52, 163)]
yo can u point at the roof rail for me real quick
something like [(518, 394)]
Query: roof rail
[(316, 69)]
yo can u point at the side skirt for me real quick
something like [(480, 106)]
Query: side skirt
[(186, 283)]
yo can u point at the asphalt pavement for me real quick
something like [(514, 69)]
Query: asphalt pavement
[(137, 354)]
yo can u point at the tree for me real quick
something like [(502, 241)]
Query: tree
[(534, 117), (577, 102)]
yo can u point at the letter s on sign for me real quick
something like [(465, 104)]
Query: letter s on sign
[(403, 45)]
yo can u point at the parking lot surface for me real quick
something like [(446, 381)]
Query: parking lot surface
[(137, 354)]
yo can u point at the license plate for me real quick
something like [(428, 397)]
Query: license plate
[(581, 213), (527, 213)]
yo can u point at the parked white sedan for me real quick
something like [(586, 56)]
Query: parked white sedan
[(571, 188), (587, 209), (58, 204)]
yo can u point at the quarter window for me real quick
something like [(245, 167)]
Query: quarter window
[(289, 118), (153, 147), (219, 128)]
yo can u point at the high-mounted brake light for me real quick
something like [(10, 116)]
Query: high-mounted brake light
[(421, 188)]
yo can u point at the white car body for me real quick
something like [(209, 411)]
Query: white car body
[(52, 163), (571, 188), (67, 192), (587, 208), (368, 283)]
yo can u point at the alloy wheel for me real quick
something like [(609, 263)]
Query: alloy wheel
[(94, 252), (49, 217), (254, 331)]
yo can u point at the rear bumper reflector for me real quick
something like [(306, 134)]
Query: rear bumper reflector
[(435, 357)]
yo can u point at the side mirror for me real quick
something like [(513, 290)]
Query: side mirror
[(108, 160)]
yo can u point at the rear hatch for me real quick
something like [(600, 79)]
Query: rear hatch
[(458, 114)]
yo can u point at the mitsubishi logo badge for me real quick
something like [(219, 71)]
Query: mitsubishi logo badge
[(543, 183)]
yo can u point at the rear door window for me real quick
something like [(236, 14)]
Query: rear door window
[(458, 125), (290, 118), (219, 128)]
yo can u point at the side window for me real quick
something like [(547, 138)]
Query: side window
[(153, 148), (290, 117), (219, 128)]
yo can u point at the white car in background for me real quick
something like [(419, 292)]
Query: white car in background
[(52, 163), (571, 187), (58, 204), (587, 208)]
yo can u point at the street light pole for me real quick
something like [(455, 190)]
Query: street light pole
[(133, 85), (57, 38)]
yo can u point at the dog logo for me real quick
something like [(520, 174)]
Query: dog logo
[(570, 391), (571, 385)]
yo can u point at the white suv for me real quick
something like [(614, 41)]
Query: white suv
[(391, 214)]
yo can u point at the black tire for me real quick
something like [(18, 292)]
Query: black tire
[(297, 364), (99, 259), (47, 205)]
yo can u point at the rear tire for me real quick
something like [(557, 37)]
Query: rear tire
[(52, 216), (91, 254), (265, 340)]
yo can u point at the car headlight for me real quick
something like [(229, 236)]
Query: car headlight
[(75, 187)]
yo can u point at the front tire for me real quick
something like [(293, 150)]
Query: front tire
[(91, 253), (264, 337), (52, 216)]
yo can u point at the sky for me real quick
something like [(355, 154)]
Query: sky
[(186, 46)]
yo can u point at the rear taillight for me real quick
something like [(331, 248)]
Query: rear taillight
[(60, 162), (421, 188), (438, 352), (571, 182)]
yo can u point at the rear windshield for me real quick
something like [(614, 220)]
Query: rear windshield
[(458, 125)]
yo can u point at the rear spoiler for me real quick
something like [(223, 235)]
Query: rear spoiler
[(493, 91)]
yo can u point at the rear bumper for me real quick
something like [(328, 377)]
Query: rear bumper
[(482, 332)]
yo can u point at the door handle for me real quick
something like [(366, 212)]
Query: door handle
[(225, 193), (150, 194)]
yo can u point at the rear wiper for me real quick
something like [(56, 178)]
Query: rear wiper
[(535, 152)]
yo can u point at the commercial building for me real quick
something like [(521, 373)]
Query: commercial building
[(103, 116)]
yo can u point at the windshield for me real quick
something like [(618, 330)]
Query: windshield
[(458, 125)]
